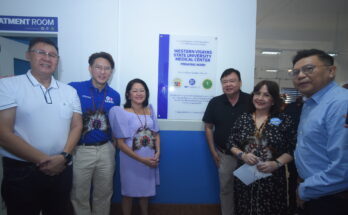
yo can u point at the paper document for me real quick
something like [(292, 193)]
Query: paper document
[(248, 174)]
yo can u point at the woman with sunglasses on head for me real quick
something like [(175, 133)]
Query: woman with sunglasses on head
[(136, 130), (265, 138)]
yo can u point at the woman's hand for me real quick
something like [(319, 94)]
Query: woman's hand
[(157, 157), (267, 166), (250, 158), (150, 162)]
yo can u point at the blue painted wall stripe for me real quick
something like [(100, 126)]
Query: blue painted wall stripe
[(188, 174), (163, 65)]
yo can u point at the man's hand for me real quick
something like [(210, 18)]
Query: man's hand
[(299, 201), (53, 165), (217, 159)]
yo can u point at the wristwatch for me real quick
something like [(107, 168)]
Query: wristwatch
[(239, 155), (67, 157), (279, 164)]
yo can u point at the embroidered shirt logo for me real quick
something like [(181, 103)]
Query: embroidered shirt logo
[(108, 99)]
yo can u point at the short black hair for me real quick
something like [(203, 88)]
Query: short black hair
[(323, 56), (130, 84), (273, 89), (104, 55), (230, 71), (37, 40)]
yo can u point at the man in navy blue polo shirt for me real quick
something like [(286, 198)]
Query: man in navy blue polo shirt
[(94, 159)]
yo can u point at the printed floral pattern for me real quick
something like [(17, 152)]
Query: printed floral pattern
[(267, 196)]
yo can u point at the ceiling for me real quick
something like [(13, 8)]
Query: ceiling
[(291, 25)]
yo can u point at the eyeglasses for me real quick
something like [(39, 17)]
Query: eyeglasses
[(306, 69), (100, 68), (44, 54)]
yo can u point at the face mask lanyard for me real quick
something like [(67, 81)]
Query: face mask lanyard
[(100, 109)]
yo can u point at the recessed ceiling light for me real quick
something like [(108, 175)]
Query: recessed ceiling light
[(271, 70), (333, 54), (271, 52)]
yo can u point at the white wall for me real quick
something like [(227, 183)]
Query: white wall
[(141, 22), (85, 27)]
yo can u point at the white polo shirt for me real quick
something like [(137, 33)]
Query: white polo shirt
[(43, 116)]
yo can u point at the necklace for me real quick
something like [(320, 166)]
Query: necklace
[(142, 126), (259, 130)]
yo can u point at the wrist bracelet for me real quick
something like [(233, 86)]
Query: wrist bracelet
[(239, 155)]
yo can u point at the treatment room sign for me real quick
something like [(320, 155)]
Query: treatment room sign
[(186, 75), (28, 23)]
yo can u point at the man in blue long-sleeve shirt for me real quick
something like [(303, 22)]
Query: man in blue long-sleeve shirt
[(321, 153)]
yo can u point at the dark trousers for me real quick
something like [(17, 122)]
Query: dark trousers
[(292, 209), (26, 190), (328, 205)]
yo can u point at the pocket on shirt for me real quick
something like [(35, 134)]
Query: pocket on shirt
[(66, 110)]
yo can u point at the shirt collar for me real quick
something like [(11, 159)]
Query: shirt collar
[(90, 85), (225, 98), (35, 82), (318, 95)]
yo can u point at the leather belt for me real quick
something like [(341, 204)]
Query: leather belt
[(225, 151), (93, 144), (341, 195)]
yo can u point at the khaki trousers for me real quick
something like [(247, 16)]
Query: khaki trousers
[(93, 168), (228, 164)]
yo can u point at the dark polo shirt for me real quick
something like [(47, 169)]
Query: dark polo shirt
[(222, 114)]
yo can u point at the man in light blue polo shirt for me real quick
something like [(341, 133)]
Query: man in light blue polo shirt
[(40, 124), (94, 160), (321, 154)]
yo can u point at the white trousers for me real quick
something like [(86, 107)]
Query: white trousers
[(93, 165), (228, 164)]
